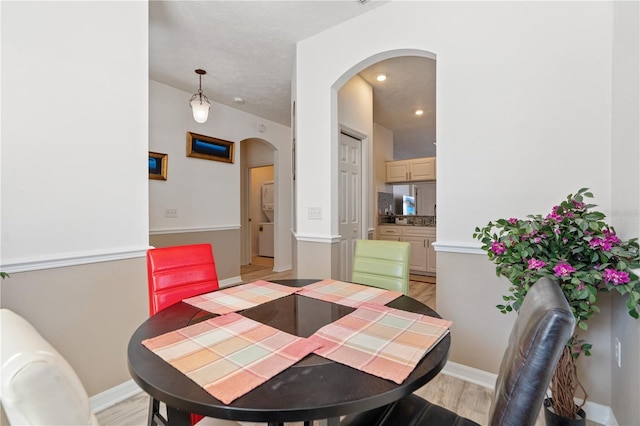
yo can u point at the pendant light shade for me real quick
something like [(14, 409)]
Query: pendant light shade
[(199, 102)]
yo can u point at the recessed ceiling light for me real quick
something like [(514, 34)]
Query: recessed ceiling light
[(419, 112), (381, 77), (238, 100)]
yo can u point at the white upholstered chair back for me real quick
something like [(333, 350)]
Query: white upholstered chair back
[(38, 386)]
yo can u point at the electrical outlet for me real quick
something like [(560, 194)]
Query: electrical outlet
[(618, 352), (315, 213), (171, 213)]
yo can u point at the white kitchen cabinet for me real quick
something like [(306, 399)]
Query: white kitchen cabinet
[(389, 233), (398, 171), (423, 256), (422, 169), (418, 255), (412, 170)]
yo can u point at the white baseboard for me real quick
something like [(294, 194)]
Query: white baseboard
[(470, 374), (230, 281), (112, 396), (282, 268), (595, 412)]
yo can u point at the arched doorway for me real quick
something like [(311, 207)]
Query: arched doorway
[(395, 133), (257, 168)]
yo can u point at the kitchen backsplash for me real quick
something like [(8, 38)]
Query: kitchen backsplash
[(410, 220), (385, 203)]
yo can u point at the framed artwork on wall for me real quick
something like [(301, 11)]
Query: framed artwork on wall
[(208, 148), (158, 165)]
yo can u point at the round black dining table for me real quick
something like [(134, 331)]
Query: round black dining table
[(314, 388)]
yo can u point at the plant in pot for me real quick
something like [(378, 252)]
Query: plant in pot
[(578, 250)]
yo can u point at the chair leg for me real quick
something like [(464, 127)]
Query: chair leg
[(155, 419)]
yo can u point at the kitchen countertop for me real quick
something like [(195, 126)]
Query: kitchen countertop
[(407, 225), (424, 221)]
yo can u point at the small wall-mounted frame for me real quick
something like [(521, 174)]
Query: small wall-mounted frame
[(200, 146), (158, 165)]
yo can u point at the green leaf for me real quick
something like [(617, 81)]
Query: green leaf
[(582, 325)]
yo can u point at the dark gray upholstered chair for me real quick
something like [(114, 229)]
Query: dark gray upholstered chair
[(543, 327)]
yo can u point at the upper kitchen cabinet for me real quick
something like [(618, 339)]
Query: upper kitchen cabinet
[(413, 170)]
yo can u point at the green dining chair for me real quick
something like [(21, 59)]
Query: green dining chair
[(383, 264)]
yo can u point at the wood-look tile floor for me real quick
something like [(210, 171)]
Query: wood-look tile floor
[(467, 399)]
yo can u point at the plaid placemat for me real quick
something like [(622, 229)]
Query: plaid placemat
[(230, 355), (240, 297), (379, 340), (348, 294)]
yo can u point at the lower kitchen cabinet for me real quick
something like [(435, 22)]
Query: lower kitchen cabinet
[(421, 238), (418, 256)]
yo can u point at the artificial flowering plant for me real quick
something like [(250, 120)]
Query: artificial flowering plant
[(575, 247)]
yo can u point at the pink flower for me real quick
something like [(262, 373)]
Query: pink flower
[(537, 240), (557, 231), (596, 242), (578, 205), (616, 277), (563, 269), (512, 220), (581, 286), (611, 237), (554, 214), (536, 264), (605, 243), (498, 247)]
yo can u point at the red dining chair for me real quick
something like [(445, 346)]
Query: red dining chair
[(176, 273), (179, 272)]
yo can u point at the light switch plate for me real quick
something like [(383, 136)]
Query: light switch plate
[(315, 213)]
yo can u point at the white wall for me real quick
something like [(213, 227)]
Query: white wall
[(382, 152), (74, 177), (519, 97), (523, 118), (207, 193), (626, 196), (74, 132)]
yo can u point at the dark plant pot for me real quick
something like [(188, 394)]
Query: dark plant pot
[(552, 419)]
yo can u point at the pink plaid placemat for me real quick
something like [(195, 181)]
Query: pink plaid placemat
[(240, 297), (230, 355), (379, 340), (348, 294)]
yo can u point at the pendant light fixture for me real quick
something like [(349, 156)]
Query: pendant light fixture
[(199, 102)]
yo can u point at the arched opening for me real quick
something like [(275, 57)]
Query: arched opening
[(257, 215), (395, 133)]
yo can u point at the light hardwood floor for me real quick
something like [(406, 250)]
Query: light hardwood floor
[(467, 399)]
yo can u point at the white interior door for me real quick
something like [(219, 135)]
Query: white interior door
[(349, 200)]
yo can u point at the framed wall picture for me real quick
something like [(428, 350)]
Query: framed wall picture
[(201, 146), (158, 165)]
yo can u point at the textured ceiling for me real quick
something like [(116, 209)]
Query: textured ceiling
[(248, 51)]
